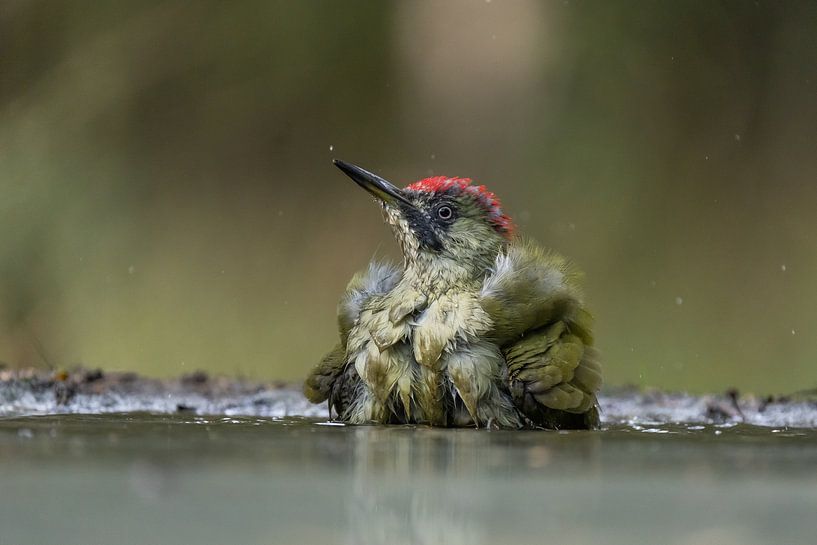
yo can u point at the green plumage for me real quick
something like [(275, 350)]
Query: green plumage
[(532, 297), (475, 329)]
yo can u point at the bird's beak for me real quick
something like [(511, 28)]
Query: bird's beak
[(382, 190), (374, 184)]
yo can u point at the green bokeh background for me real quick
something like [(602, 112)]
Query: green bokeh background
[(167, 201)]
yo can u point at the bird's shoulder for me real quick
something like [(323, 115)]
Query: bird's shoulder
[(375, 280), (528, 287)]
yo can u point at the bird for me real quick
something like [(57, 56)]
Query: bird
[(479, 327)]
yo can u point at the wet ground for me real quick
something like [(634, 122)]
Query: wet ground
[(215, 461)]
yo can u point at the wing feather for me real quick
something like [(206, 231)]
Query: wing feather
[(528, 288), (377, 279), (544, 331)]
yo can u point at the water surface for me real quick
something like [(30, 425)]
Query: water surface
[(143, 478)]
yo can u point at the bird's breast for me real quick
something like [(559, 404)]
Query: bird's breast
[(449, 319)]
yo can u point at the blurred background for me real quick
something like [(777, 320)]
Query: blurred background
[(167, 200)]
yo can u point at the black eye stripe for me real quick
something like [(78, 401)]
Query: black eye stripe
[(422, 228)]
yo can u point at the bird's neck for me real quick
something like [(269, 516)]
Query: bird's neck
[(434, 275)]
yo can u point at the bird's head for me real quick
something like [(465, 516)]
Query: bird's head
[(448, 229)]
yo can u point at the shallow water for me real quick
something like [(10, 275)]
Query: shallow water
[(145, 478)]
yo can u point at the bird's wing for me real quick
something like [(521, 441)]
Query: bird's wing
[(319, 381), (554, 377), (534, 300), (527, 289), (377, 279)]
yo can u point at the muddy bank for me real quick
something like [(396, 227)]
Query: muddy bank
[(94, 391), (31, 392)]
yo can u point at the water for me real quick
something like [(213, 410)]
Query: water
[(161, 479)]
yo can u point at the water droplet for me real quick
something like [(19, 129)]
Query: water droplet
[(331, 147), (793, 332), (679, 301), (737, 137), (783, 267)]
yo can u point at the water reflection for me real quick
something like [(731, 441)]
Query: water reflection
[(418, 489), (441, 486), (191, 479), (452, 486)]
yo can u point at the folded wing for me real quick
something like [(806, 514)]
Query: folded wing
[(544, 332)]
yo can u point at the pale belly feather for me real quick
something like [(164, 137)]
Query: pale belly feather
[(431, 365)]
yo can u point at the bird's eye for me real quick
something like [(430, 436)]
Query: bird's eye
[(445, 213)]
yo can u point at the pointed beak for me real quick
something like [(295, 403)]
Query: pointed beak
[(374, 184), (382, 190)]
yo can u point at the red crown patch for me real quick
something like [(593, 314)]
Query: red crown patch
[(487, 199)]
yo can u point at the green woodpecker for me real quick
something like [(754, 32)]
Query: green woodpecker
[(477, 328)]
